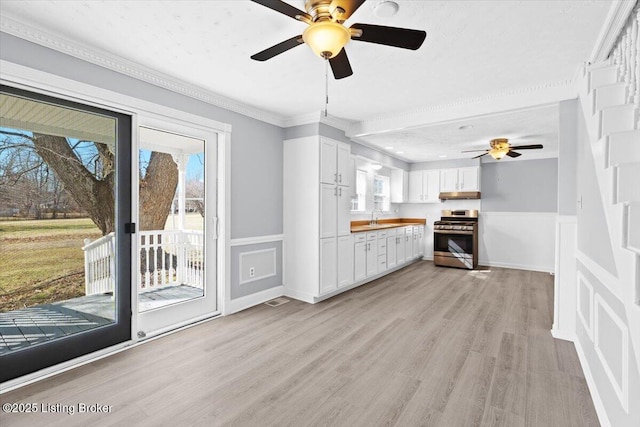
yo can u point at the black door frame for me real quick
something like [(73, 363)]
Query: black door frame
[(49, 353)]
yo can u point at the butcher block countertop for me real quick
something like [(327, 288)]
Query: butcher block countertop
[(363, 225)]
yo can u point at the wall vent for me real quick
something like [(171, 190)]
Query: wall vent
[(276, 302)]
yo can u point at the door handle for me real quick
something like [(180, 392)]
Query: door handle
[(340, 178), (340, 190), (335, 191)]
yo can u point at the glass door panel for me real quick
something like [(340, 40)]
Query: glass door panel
[(64, 180), (176, 197)]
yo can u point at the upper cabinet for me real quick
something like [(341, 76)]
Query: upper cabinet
[(424, 186), (460, 179), (335, 162), (399, 186)]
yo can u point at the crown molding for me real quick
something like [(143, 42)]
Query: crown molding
[(132, 69), (614, 23), (515, 99)]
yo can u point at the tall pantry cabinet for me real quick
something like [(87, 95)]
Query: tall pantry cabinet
[(318, 247)]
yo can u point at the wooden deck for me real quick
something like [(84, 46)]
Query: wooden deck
[(32, 325)]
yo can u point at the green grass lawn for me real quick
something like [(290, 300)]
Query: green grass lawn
[(36, 251)]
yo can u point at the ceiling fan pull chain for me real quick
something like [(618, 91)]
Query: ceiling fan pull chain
[(326, 86)]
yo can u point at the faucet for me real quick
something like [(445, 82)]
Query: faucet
[(373, 211)]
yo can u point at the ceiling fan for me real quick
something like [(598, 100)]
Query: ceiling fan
[(500, 147), (327, 36)]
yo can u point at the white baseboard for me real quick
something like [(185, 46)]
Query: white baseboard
[(544, 269), (300, 296), (597, 401), (239, 304), (562, 335)]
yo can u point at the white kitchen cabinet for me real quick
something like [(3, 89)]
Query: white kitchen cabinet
[(334, 162), (408, 247), (359, 256), (400, 246), (392, 259), (399, 186), (329, 210), (460, 179), (372, 253), (418, 236), (424, 186), (316, 215), (382, 251), (345, 261), (328, 263)]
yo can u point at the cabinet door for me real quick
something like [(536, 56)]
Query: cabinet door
[(415, 187), (359, 260), (449, 180), (419, 246), (469, 179), (400, 245), (328, 170), (345, 261), (408, 247), (431, 185), (343, 153), (328, 210), (372, 258), (344, 211), (328, 270), (391, 252)]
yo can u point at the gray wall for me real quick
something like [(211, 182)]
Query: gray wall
[(520, 186), (256, 147), (242, 290), (445, 164), (567, 157)]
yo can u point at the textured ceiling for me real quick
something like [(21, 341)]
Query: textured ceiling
[(473, 50)]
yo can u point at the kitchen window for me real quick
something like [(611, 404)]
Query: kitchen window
[(381, 193), (359, 200)]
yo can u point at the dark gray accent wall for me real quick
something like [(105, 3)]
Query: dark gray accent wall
[(520, 186), (567, 157), (256, 146)]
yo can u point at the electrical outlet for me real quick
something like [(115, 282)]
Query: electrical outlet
[(252, 271)]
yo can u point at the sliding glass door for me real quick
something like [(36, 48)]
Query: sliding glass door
[(65, 224)]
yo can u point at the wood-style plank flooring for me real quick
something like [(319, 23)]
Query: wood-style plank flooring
[(424, 346)]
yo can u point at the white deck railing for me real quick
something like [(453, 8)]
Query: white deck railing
[(167, 258), (99, 266)]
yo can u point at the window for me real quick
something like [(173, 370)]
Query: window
[(381, 193), (359, 201)]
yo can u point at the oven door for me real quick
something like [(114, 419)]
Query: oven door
[(453, 248)]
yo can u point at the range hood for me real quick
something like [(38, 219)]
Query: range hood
[(459, 195)]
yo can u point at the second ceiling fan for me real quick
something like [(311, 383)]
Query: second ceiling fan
[(327, 36), (501, 147)]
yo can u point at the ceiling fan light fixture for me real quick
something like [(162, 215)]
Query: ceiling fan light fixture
[(498, 153), (499, 148), (326, 38)]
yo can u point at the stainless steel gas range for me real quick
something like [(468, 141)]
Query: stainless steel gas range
[(455, 239)]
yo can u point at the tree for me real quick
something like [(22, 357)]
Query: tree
[(86, 170)]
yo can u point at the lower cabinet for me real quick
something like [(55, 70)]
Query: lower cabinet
[(408, 243), (359, 256), (382, 251), (400, 245), (328, 265), (392, 259), (345, 261), (372, 253)]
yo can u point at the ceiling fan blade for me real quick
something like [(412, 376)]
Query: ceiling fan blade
[(473, 151), (390, 36), (278, 49), (340, 65), (284, 8), (526, 147), (349, 6), (483, 154), (513, 154)]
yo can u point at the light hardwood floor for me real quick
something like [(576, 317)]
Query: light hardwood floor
[(423, 346)]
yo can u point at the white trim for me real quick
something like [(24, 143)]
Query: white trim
[(622, 390), (264, 276), (120, 65), (615, 21), (527, 267), (244, 241), (593, 389), (248, 301), (563, 335), (586, 319), (527, 213), (607, 279)]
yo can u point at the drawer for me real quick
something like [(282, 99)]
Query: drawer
[(418, 230), (382, 263), (359, 237), (372, 236), (382, 245), (382, 234)]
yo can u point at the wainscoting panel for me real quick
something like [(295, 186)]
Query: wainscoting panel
[(585, 304)]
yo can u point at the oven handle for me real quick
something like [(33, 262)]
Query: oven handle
[(469, 233)]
